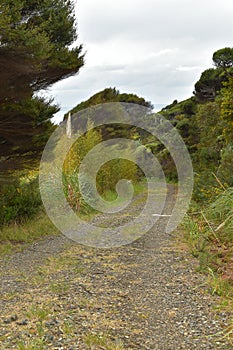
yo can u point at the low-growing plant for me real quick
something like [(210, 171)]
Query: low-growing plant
[(221, 213), (209, 233), (102, 341), (26, 232), (219, 285), (39, 313), (20, 199), (194, 236), (35, 344), (59, 287)]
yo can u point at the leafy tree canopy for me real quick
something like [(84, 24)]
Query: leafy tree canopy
[(211, 80), (35, 45), (205, 121), (35, 52), (223, 58)]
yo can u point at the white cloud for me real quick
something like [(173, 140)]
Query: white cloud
[(187, 68), (155, 48)]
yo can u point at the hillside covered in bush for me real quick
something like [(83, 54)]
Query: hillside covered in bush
[(205, 122)]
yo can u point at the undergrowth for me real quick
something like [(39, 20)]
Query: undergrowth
[(20, 198), (12, 236), (209, 233)]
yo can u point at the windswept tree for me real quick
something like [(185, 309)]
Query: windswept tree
[(35, 52), (213, 79), (223, 58)]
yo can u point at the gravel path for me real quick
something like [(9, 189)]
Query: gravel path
[(57, 294)]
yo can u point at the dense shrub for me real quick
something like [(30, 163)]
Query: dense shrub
[(109, 174), (20, 199)]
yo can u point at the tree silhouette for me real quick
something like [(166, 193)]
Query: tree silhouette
[(35, 52)]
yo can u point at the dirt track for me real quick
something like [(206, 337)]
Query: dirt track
[(57, 294)]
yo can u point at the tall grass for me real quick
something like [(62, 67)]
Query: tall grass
[(210, 236), (12, 236), (220, 212), (20, 201), (107, 177)]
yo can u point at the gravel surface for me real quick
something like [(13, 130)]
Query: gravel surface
[(57, 294)]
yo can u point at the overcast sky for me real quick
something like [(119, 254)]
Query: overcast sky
[(156, 49)]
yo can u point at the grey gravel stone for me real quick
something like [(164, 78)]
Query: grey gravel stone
[(146, 295)]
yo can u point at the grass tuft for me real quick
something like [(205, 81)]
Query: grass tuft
[(14, 235)]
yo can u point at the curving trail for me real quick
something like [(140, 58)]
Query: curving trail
[(57, 294)]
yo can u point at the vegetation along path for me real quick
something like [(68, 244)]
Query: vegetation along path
[(56, 294)]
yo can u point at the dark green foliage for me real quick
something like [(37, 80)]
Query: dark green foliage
[(210, 83), (19, 200), (210, 230), (35, 39), (225, 169), (212, 80), (223, 58), (34, 53), (24, 132), (182, 116), (205, 123), (189, 107), (107, 96), (210, 131), (226, 106), (110, 95), (170, 106)]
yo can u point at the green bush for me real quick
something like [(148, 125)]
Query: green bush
[(19, 200), (209, 233), (225, 169), (113, 171), (109, 174), (220, 212)]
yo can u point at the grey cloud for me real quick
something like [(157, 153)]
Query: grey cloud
[(158, 19), (154, 48)]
